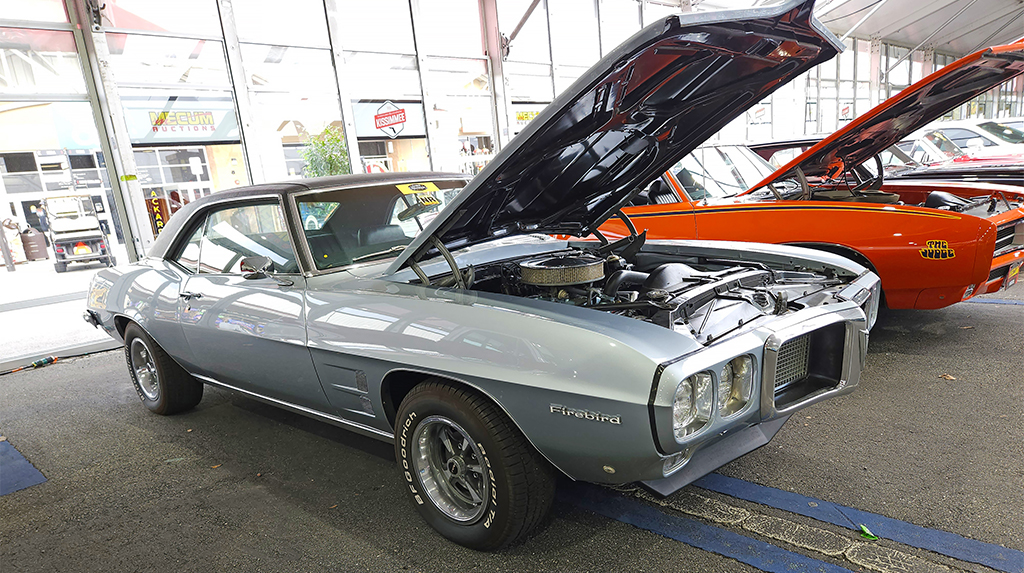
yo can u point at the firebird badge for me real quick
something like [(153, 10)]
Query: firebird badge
[(586, 414), (938, 251)]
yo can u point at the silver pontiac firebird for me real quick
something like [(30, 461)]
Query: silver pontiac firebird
[(444, 314)]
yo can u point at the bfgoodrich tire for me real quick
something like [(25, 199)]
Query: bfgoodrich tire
[(164, 387), (471, 473)]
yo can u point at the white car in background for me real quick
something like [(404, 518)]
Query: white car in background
[(982, 137)]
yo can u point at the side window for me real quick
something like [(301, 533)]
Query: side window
[(189, 256), (959, 136), (250, 230)]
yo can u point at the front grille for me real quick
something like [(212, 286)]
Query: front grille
[(807, 365), (998, 273), (794, 357), (1007, 238)]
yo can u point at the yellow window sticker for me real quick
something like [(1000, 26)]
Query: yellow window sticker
[(938, 251), (414, 188)]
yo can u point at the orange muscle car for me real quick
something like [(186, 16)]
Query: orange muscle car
[(932, 243)]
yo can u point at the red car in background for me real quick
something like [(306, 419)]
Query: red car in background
[(932, 243)]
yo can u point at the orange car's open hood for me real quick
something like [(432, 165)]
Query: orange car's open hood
[(899, 116)]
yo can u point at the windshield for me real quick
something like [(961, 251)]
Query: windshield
[(944, 145), (894, 160), (720, 171), (73, 206), (1004, 132), (347, 226)]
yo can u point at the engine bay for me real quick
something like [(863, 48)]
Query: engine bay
[(708, 298)]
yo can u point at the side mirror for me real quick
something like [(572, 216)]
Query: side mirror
[(256, 267), (975, 143)]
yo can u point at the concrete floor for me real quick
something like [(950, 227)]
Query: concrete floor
[(237, 485)]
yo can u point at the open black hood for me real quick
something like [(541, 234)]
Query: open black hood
[(630, 117), (913, 108)]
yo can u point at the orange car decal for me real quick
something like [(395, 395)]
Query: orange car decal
[(706, 210), (938, 251)]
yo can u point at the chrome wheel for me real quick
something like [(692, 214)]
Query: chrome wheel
[(144, 367), (451, 469)]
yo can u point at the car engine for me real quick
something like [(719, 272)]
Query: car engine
[(707, 297)]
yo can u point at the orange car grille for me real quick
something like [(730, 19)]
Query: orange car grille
[(1010, 237)]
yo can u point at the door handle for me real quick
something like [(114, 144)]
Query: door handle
[(190, 295)]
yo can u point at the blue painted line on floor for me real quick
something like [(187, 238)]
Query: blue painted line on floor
[(948, 544), (755, 553), (16, 473), (996, 301)]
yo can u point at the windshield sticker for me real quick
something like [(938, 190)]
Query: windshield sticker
[(938, 251), (415, 188)]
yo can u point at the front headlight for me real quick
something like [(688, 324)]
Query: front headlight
[(872, 308), (691, 407), (735, 385)]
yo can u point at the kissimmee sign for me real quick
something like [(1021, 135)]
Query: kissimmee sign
[(180, 119)]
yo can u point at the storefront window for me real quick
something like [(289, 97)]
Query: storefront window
[(39, 62), (51, 149), (463, 111), (378, 26), (284, 68), (574, 40), (297, 23), (294, 95), (450, 28), (182, 16), (620, 19), (35, 10), (382, 76), (531, 44), (139, 59)]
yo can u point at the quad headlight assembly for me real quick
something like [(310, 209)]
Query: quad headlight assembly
[(697, 396)]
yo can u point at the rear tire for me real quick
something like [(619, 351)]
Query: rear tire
[(471, 473), (111, 261), (164, 387), (60, 266)]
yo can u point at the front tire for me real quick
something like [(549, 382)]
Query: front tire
[(471, 473), (164, 387)]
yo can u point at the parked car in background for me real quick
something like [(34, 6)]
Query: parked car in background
[(898, 165), (983, 137), (933, 244), (443, 316), (931, 146), (75, 232)]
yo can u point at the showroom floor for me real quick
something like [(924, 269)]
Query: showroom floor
[(933, 438)]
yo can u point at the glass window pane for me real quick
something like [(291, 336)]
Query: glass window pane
[(566, 75), (189, 257), (160, 117), (531, 44), (382, 76), (363, 23), (451, 28), (33, 10), (863, 60), (183, 16), (284, 122), (846, 65), (284, 68), (299, 22), (369, 223), (250, 231), (39, 61), (574, 38), (463, 110), (620, 19), (139, 59), (529, 82)]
